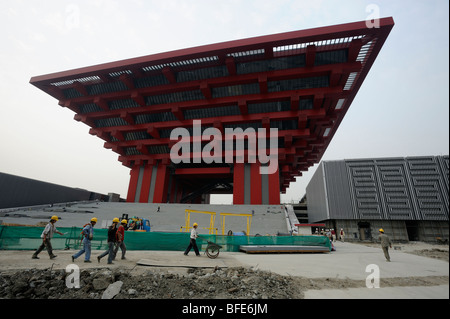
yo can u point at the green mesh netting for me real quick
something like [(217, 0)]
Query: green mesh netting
[(28, 238)]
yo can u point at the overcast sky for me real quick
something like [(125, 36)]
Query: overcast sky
[(402, 108)]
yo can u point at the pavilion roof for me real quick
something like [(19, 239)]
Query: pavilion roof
[(301, 82)]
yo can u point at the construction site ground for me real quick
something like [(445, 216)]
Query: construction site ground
[(416, 271)]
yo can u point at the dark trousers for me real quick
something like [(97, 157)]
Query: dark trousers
[(45, 244), (109, 252), (122, 247), (386, 253), (192, 244)]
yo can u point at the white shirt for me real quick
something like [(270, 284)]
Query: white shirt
[(194, 233), (49, 230)]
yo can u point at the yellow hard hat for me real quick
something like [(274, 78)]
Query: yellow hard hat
[(54, 218), (124, 221), (194, 225), (116, 220), (94, 219), (381, 230)]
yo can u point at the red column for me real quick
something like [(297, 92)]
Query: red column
[(256, 184), (161, 184), (134, 176), (146, 180), (274, 188), (238, 184)]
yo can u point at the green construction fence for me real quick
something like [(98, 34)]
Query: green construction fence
[(29, 238)]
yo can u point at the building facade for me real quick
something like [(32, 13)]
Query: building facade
[(298, 84), (407, 197)]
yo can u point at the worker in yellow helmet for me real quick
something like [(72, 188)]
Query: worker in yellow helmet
[(385, 243), (47, 235), (193, 241), (88, 235), (112, 230)]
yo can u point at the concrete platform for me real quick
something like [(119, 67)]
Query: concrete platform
[(264, 249)]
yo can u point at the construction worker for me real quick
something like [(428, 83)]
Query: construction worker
[(385, 243), (87, 234), (47, 235), (112, 230), (333, 235), (193, 241), (120, 239), (342, 235)]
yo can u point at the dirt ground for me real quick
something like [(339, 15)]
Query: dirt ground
[(19, 281)]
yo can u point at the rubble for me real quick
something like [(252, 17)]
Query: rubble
[(230, 283)]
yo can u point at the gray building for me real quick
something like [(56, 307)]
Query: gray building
[(17, 191), (407, 197)]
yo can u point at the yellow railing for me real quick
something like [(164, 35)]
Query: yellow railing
[(187, 218), (211, 228)]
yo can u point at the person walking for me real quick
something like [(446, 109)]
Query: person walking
[(342, 235), (385, 243), (120, 239), (87, 233), (193, 241), (328, 234), (112, 230), (47, 235), (333, 235)]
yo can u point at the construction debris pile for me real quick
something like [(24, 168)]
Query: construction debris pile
[(229, 283)]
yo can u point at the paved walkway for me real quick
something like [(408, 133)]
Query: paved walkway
[(349, 261)]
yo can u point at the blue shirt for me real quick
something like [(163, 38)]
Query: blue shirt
[(88, 230)]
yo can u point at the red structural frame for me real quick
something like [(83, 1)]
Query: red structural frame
[(303, 146)]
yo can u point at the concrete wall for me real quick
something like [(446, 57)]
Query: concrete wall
[(266, 219)]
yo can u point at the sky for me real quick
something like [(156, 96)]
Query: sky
[(401, 109)]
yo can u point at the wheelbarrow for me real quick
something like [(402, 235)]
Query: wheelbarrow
[(212, 250)]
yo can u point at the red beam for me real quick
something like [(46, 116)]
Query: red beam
[(232, 119), (203, 171), (226, 81)]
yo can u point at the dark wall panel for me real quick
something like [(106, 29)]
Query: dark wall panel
[(16, 191), (411, 188)]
